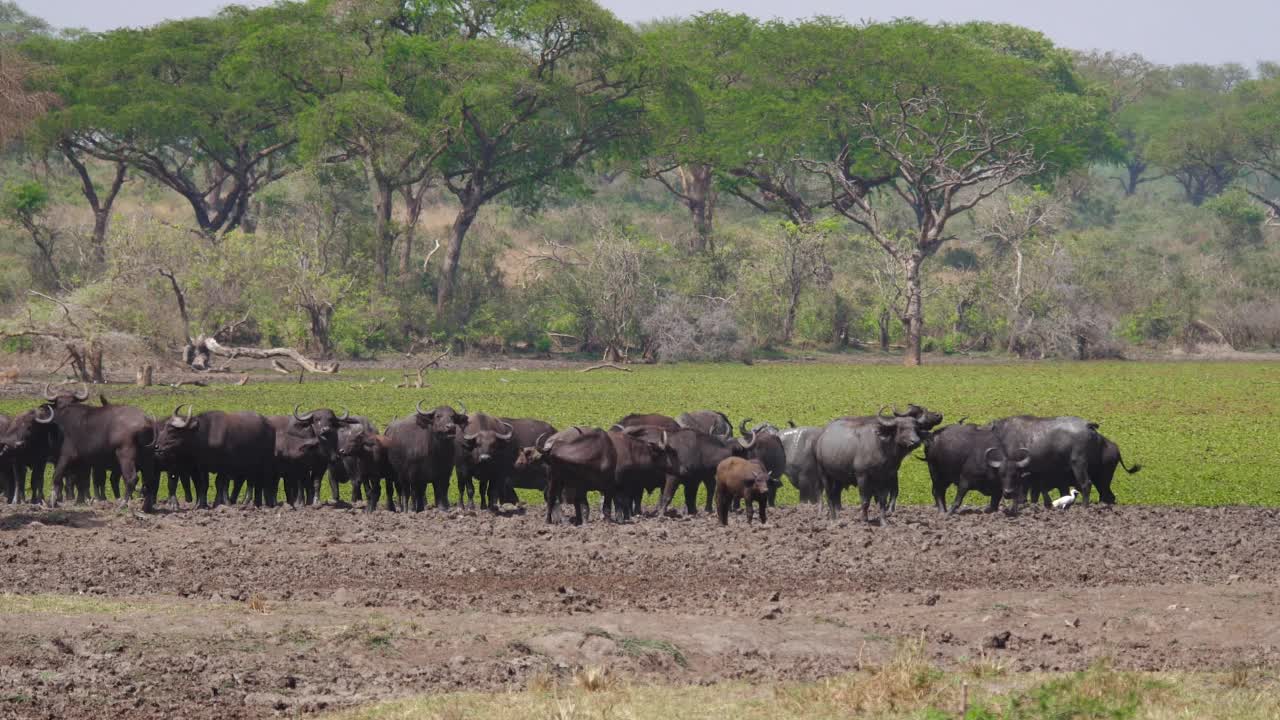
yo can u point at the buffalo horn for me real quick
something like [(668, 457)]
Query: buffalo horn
[(742, 426), (1026, 458), (510, 431), (48, 392), (898, 413), (346, 414), (177, 420), (791, 423), (748, 444), (663, 445), (418, 409), (997, 464), (463, 406), (470, 436), (617, 428), (44, 420), (83, 394), (538, 443), (885, 420), (301, 418)]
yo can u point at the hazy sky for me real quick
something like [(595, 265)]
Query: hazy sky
[(1166, 31)]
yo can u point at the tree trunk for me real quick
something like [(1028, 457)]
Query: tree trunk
[(383, 233), (789, 321), (413, 198), (449, 272), (700, 198), (101, 206), (1016, 311), (321, 316), (914, 317), (1135, 169), (883, 322)]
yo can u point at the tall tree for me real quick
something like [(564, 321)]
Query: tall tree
[(535, 87), (702, 60), (1257, 115), (377, 102), (970, 110), (1131, 85), (185, 103)]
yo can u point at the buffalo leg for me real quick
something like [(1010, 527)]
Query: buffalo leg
[(961, 491), (202, 489), (552, 497), (710, 485), (940, 497), (335, 490), (691, 497), (100, 484), (1080, 469), (994, 505), (115, 483), (173, 490), (467, 489), (833, 489), (764, 501), (128, 460), (668, 493), (722, 506)]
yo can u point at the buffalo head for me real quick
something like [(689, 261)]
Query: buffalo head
[(1013, 472), (173, 434), (484, 444), (443, 421)]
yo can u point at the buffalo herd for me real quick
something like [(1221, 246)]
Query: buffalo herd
[(1011, 459)]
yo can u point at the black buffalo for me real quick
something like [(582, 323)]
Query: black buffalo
[(372, 454), (236, 446), (422, 450), (662, 422), (866, 452), (300, 459), (324, 425), (1104, 460), (27, 447), (1063, 451), (972, 458), (486, 451), (116, 436), (697, 455), (771, 453), (353, 468), (712, 422), (614, 463)]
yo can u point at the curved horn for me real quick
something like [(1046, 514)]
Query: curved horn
[(48, 393), (177, 420), (663, 444), (885, 420), (346, 413), (83, 394), (470, 436), (791, 423), (742, 426), (747, 445), (47, 420), (417, 408), (617, 428), (463, 406), (510, 431), (538, 443), (997, 464), (301, 418), (898, 413)]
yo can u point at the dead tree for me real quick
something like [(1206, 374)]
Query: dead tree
[(940, 161)]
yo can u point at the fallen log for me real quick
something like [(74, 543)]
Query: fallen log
[(203, 347), (605, 366)]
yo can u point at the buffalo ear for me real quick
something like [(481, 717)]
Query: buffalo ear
[(193, 423), (887, 431)]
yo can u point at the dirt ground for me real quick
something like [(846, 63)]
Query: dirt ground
[(260, 613)]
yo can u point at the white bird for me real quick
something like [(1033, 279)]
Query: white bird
[(1066, 501)]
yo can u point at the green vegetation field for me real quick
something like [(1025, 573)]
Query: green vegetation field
[(1205, 432)]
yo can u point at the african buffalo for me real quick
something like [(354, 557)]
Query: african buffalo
[(712, 422), (324, 425), (421, 452), (101, 437), (1102, 469), (613, 463), (486, 450), (769, 450), (353, 468), (1062, 450), (372, 452), (972, 458), (662, 422), (743, 480), (697, 456), (29, 446), (235, 445), (866, 452)]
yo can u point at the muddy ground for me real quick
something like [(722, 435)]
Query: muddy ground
[(260, 613)]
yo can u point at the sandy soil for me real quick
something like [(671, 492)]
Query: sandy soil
[(260, 613)]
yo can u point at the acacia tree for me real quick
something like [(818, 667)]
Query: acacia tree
[(185, 103), (1132, 85), (1011, 222), (943, 161), (1258, 117), (534, 88), (702, 62)]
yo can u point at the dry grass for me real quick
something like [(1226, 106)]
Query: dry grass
[(907, 687)]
